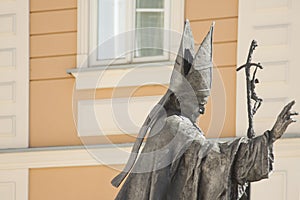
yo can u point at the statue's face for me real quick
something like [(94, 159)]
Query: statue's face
[(193, 88), (192, 107), (196, 97)]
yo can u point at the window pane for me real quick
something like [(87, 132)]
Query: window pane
[(150, 4), (111, 22), (150, 34)]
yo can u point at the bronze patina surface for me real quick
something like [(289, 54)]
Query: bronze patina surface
[(177, 161)]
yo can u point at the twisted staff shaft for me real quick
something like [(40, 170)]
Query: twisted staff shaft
[(250, 131), (247, 66)]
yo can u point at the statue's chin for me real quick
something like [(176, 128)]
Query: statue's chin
[(195, 116)]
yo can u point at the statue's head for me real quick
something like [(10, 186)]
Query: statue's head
[(189, 90), (192, 75)]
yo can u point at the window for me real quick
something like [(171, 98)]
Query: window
[(150, 19), (129, 31), (120, 32), (132, 38), (150, 14)]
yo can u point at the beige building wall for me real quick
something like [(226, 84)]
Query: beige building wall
[(53, 35), (53, 32), (53, 51), (201, 14), (72, 183)]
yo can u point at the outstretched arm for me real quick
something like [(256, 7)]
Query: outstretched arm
[(255, 157)]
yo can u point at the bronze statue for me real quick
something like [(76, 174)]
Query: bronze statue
[(177, 161)]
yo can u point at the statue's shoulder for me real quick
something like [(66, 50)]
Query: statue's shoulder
[(183, 125), (176, 120)]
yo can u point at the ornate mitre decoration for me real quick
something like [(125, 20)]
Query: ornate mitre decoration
[(193, 71)]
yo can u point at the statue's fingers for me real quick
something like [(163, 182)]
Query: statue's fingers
[(289, 114), (293, 113), (291, 104), (286, 109), (291, 120), (287, 123)]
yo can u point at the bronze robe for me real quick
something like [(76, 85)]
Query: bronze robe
[(179, 163)]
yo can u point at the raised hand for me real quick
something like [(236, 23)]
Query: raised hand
[(283, 121)]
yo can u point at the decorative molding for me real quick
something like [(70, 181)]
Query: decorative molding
[(270, 4), (8, 91), (283, 182), (68, 157), (82, 33), (113, 116), (274, 187), (8, 190), (110, 155), (277, 33), (14, 184), (8, 24), (8, 58), (14, 74), (136, 75), (7, 126)]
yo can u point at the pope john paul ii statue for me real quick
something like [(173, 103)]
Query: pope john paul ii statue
[(177, 161)]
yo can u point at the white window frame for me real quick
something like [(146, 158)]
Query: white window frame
[(165, 56), (93, 36), (93, 61), (87, 33), (87, 75)]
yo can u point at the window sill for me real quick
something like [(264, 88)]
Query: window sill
[(122, 75)]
